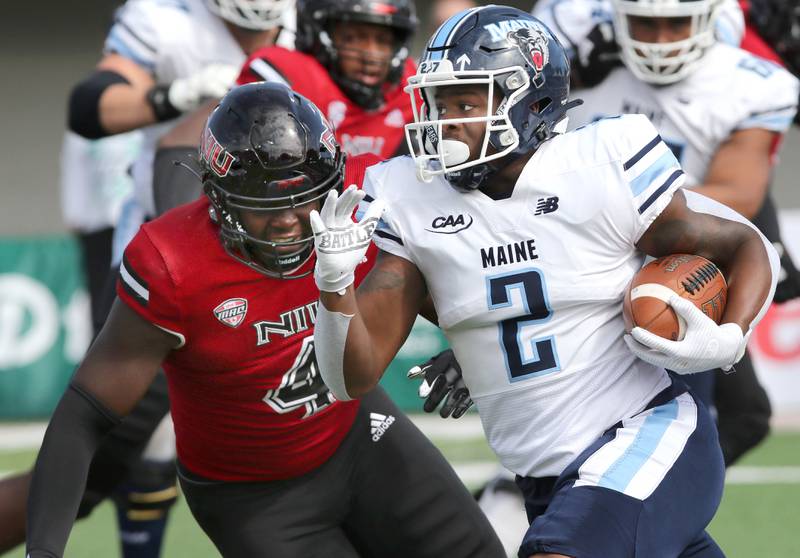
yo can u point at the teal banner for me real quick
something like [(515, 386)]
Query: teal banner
[(44, 322), (45, 329)]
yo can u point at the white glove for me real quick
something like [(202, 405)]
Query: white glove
[(211, 82), (342, 243), (705, 345)]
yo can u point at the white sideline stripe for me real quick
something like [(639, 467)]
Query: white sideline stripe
[(22, 436), (478, 472), (437, 428), (25, 436), (763, 475)]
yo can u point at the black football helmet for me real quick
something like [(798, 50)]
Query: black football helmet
[(519, 60), (267, 148), (778, 23), (314, 20)]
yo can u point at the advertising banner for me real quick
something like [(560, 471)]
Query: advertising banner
[(44, 323)]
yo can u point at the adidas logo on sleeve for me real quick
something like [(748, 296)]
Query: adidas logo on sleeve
[(379, 424)]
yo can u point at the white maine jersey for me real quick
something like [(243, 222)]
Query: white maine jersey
[(731, 90), (95, 179), (172, 39), (528, 290)]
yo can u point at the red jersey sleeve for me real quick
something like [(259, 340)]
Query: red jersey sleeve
[(356, 167), (258, 68), (147, 287)]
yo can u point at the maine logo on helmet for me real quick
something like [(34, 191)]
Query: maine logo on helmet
[(218, 160), (532, 44)]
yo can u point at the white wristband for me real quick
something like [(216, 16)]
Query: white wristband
[(330, 335)]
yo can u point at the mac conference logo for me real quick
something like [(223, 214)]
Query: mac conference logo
[(450, 224)]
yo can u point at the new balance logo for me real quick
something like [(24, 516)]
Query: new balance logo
[(379, 424), (546, 205)]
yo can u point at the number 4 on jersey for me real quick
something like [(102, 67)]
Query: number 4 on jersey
[(301, 385)]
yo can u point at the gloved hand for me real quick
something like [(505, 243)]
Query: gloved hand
[(342, 243), (598, 54), (705, 346), (211, 82), (442, 380)]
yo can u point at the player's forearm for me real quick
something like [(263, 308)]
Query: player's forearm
[(744, 202), (751, 275), (346, 338), (76, 428)]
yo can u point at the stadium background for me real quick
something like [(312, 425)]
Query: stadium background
[(44, 50)]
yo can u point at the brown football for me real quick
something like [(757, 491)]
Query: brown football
[(692, 277)]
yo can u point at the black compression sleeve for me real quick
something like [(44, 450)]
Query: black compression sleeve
[(84, 104), (76, 428), (173, 183)]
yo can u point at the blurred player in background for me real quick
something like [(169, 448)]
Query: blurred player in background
[(161, 59), (221, 292), (351, 61), (547, 229)]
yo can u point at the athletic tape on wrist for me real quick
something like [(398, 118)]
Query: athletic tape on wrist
[(330, 335)]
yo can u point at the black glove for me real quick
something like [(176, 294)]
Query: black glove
[(788, 286), (442, 380), (601, 59)]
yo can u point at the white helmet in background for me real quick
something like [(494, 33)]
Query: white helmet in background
[(664, 63), (258, 15)]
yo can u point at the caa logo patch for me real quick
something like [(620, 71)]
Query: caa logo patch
[(231, 312), (450, 224)]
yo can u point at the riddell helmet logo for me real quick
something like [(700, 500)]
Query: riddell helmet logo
[(532, 44), (215, 155), (231, 312)]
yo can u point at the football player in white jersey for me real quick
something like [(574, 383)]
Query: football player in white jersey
[(723, 112), (162, 59), (525, 239), (585, 28)]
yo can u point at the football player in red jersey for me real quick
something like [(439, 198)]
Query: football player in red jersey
[(220, 293), (351, 61)]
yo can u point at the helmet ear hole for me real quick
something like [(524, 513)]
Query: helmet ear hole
[(541, 105)]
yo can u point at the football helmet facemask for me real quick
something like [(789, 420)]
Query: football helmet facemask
[(256, 15), (314, 26), (267, 148), (519, 61), (665, 63)]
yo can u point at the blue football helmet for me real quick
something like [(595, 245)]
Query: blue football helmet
[(519, 60)]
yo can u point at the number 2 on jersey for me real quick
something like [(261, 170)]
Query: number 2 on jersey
[(536, 357)]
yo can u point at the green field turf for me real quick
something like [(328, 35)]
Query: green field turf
[(755, 520)]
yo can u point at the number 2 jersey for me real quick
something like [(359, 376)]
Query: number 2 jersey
[(528, 289), (246, 398)]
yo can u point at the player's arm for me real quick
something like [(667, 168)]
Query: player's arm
[(694, 224), (739, 172), (738, 250), (113, 376), (383, 311), (357, 335)]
